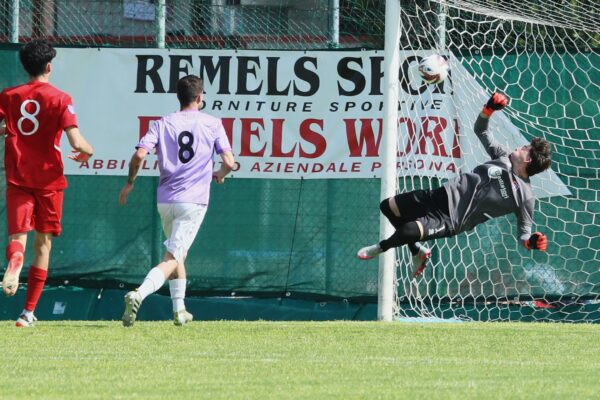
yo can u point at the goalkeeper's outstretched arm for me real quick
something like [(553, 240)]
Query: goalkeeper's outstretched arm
[(531, 241), (496, 102)]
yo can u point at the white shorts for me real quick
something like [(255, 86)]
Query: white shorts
[(180, 222)]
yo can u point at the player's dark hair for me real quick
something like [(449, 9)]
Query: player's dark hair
[(539, 153), (188, 88), (35, 55)]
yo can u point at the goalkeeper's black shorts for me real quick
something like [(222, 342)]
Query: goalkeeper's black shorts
[(430, 208)]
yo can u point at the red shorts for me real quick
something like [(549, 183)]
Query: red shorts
[(28, 209)]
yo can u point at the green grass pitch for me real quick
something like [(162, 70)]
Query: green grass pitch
[(299, 360)]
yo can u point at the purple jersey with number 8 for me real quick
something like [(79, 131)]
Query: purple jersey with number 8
[(186, 142)]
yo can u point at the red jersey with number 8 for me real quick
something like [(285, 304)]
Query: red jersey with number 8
[(36, 115)]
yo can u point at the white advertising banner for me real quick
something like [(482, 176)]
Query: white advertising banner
[(288, 114)]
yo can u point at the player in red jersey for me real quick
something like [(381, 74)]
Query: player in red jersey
[(35, 115)]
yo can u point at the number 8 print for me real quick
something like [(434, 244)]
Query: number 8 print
[(26, 116), (186, 151)]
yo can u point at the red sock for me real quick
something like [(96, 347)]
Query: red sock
[(13, 247), (35, 284)]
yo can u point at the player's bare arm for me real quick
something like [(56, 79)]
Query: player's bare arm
[(81, 148), (227, 164), (134, 166)]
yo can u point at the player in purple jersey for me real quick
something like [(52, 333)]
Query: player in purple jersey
[(185, 141)]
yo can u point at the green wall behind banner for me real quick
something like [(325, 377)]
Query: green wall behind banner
[(297, 239)]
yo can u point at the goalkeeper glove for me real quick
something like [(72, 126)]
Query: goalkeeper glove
[(497, 102), (537, 241)]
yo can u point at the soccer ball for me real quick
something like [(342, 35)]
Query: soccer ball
[(434, 69)]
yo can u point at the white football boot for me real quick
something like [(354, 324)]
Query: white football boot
[(182, 317), (133, 300), (25, 321), (367, 253), (419, 261)]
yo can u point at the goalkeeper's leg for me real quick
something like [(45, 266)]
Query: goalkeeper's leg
[(405, 234), (390, 209), (415, 201)]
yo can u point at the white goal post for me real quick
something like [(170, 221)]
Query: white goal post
[(389, 144)]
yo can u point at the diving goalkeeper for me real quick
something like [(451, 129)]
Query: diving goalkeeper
[(495, 188)]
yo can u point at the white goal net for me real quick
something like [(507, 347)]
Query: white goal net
[(544, 55)]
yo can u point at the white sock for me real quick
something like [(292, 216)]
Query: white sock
[(177, 288), (28, 314), (153, 281)]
